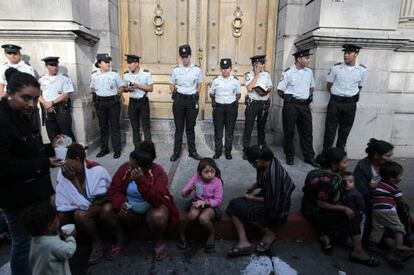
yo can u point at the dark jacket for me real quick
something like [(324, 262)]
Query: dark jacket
[(363, 176), (24, 162)]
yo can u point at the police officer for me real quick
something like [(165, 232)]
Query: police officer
[(344, 82), (259, 85), (107, 86), (55, 99), (139, 83), (296, 88), (225, 93), (14, 57), (185, 85)]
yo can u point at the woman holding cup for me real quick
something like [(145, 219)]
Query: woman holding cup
[(81, 194), (25, 162)]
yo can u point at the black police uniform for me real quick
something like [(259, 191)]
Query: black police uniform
[(139, 108), (59, 121), (346, 84), (257, 104), (296, 88), (185, 105), (225, 108)]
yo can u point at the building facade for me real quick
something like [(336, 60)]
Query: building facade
[(77, 30)]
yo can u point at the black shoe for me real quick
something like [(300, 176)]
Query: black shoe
[(195, 156), (117, 155), (217, 155), (174, 157), (228, 155), (290, 160), (244, 156), (102, 153), (312, 162)]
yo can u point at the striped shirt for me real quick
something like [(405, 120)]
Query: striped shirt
[(385, 195)]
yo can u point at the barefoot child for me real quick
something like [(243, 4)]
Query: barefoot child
[(204, 207), (49, 253)]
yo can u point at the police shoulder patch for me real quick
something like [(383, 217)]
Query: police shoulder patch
[(215, 77), (287, 69), (94, 71), (115, 71), (195, 65), (145, 70), (176, 66), (235, 77), (362, 66), (126, 72), (339, 63), (65, 75)]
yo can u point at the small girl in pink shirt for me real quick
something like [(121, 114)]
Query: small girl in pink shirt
[(207, 188)]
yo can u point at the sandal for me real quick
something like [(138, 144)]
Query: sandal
[(237, 252), (160, 252), (326, 247), (114, 252), (264, 246), (371, 261), (96, 255), (182, 244)]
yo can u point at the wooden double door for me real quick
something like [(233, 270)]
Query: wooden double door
[(215, 29)]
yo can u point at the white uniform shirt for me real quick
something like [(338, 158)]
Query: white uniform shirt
[(225, 89), (106, 84), (264, 80), (186, 79), (21, 67), (54, 86), (346, 79), (297, 82), (142, 77)]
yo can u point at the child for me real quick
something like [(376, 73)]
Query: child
[(49, 254), (385, 199), (204, 207), (353, 199)]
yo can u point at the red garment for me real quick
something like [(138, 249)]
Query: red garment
[(153, 188)]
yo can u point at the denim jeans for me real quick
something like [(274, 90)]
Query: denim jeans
[(19, 255)]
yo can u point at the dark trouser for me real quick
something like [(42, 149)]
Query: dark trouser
[(297, 114), (139, 111), (224, 116), (59, 122), (185, 111), (108, 110), (19, 253), (340, 115), (259, 109)]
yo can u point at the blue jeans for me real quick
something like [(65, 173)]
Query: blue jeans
[(19, 255)]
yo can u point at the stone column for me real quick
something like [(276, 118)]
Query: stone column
[(407, 12)]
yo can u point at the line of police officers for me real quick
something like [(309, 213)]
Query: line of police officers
[(296, 85)]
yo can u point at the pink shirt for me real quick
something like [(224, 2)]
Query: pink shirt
[(212, 191)]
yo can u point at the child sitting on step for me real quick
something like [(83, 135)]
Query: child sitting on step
[(207, 188)]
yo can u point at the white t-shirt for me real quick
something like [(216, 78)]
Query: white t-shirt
[(53, 86), (225, 89)]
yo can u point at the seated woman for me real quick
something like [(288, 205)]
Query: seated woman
[(269, 207), (321, 205), (140, 188), (81, 193)]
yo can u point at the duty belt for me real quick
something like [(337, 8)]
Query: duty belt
[(107, 98), (345, 99)]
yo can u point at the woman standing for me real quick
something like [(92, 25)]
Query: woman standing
[(24, 162), (321, 204)]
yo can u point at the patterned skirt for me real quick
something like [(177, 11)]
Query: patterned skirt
[(250, 212)]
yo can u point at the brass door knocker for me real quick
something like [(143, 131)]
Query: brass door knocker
[(158, 20), (237, 22)]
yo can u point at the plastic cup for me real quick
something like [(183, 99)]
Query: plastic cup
[(63, 141), (67, 229), (60, 153)]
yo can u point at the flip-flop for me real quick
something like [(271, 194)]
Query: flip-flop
[(182, 245), (371, 261), (237, 252), (114, 252), (264, 246), (96, 255), (325, 247), (160, 252)]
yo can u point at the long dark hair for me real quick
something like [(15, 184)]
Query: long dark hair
[(379, 147), (16, 80), (330, 156), (204, 162), (144, 154), (257, 152), (37, 216)]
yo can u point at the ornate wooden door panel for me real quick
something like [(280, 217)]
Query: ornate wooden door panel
[(153, 29)]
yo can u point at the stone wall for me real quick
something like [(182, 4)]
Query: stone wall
[(75, 31), (384, 110)]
